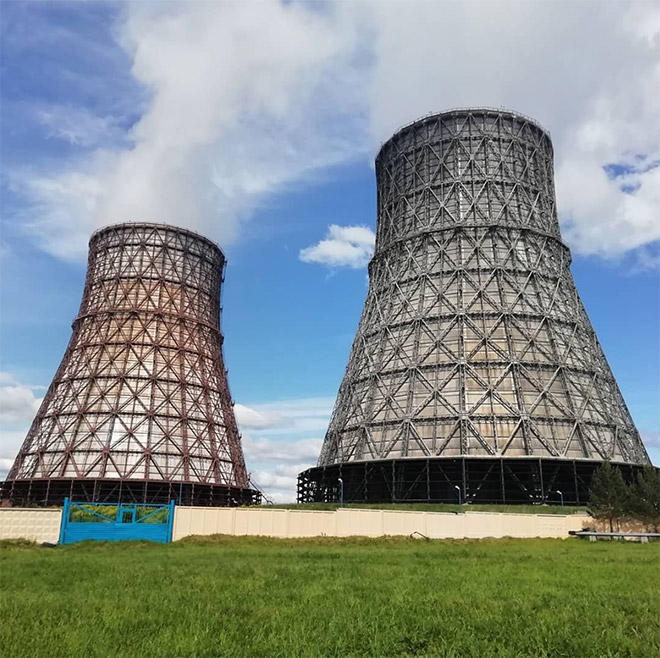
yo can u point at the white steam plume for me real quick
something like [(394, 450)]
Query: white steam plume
[(246, 98)]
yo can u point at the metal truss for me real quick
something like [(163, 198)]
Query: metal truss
[(485, 480), (473, 341), (141, 397)]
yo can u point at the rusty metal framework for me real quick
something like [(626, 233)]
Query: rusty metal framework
[(473, 341), (140, 409)]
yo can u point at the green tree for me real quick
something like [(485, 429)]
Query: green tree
[(608, 496), (645, 497)]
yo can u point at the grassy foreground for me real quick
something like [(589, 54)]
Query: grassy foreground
[(232, 596)]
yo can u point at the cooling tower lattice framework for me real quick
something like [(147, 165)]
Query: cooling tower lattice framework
[(475, 366), (139, 409)]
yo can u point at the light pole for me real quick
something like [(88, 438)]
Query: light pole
[(459, 494), (341, 492), (561, 495)]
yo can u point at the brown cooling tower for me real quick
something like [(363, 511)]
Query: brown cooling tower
[(139, 409)]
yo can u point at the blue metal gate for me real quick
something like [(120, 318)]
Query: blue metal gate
[(116, 521)]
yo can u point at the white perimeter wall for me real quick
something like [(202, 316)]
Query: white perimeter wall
[(369, 523), (33, 524), (43, 525)]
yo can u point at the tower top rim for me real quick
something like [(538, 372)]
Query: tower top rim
[(154, 225), (481, 109)]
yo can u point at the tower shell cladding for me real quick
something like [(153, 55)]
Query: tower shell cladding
[(474, 355), (139, 408)]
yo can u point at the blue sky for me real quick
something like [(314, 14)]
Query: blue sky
[(256, 124)]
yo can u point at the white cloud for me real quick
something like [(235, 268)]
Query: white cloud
[(5, 465), (602, 218), (6, 378), (249, 418), (244, 100), (286, 416), (18, 406), (343, 246), (590, 76), (10, 443), (18, 403), (282, 439), (280, 482), (281, 451), (79, 126)]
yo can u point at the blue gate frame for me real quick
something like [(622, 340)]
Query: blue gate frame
[(116, 522)]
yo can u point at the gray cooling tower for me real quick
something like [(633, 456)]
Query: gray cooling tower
[(475, 368)]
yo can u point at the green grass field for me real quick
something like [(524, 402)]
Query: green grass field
[(233, 596)]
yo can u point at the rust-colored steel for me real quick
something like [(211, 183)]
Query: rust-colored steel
[(140, 407)]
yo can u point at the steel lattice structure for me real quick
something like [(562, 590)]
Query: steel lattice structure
[(139, 408), (474, 355)]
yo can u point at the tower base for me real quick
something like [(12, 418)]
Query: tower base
[(53, 492), (485, 480)]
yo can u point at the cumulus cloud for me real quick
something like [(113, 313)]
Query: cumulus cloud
[(285, 416), (233, 114), (18, 403), (242, 101), (609, 215), (343, 246), (281, 439), (590, 75), (249, 418), (280, 482), (285, 452), (18, 406)]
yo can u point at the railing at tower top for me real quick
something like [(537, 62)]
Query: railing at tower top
[(476, 110), (156, 226)]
